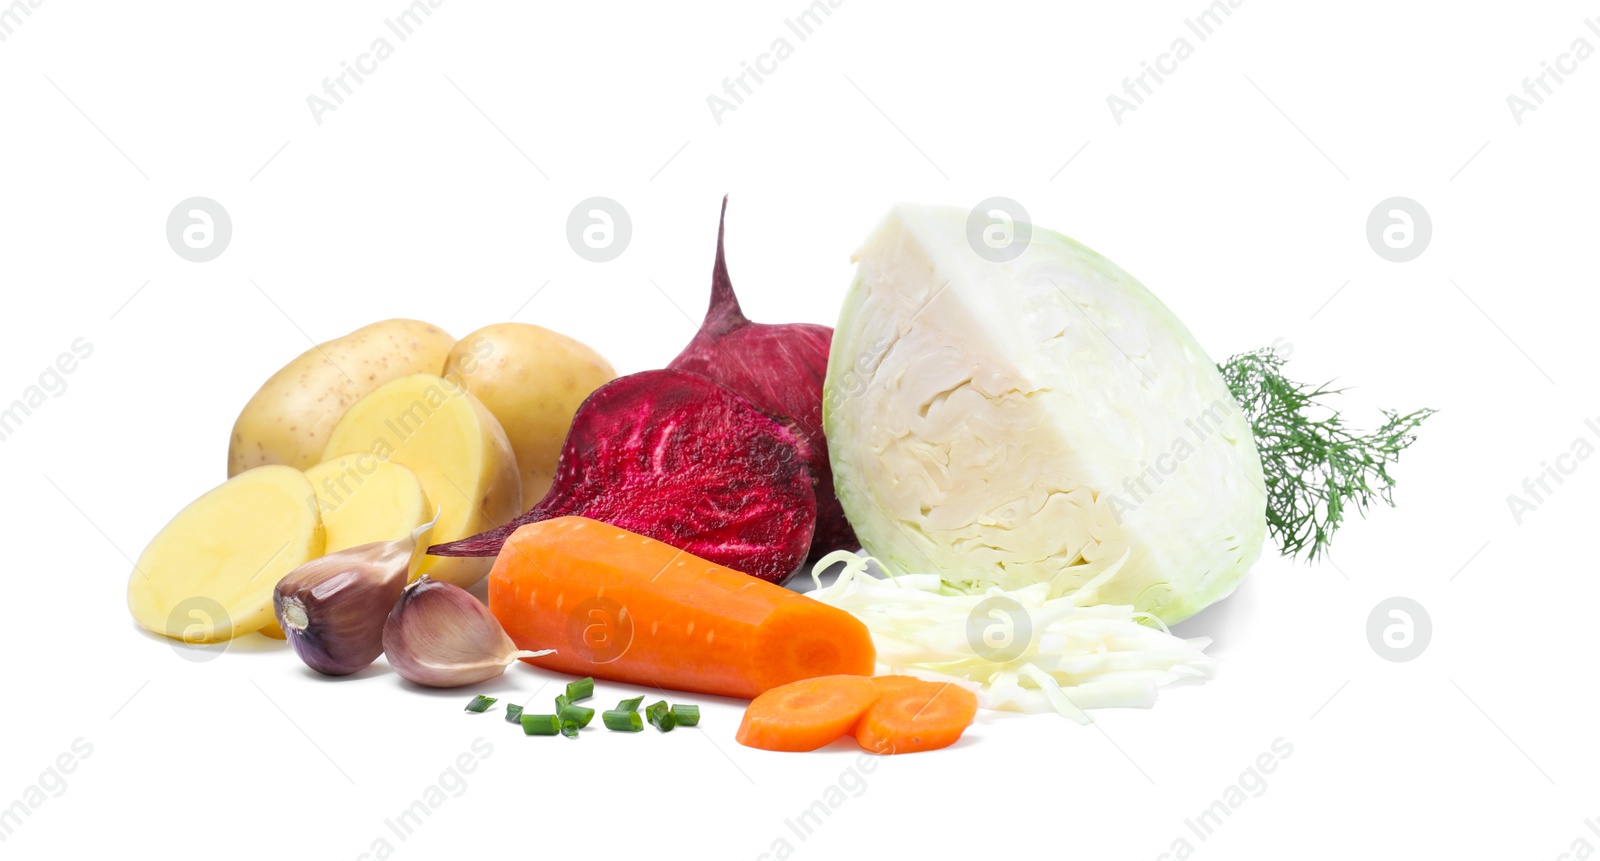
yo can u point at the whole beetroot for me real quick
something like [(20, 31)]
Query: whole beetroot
[(779, 368)]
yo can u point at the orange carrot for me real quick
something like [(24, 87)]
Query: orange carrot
[(807, 714), (616, 605), (895, 683), (908, 718)]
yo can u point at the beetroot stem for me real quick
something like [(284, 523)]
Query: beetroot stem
[(724, 313)]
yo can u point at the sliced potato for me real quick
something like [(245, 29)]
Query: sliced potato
[(364, 499), (533, 380), (289, 419), (208, 574), (457, 450)]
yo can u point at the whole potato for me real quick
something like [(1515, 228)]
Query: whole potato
[(289, 419), (532, 380)]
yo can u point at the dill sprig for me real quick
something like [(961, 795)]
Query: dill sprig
[(1315, 466)]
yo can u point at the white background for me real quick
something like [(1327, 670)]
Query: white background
[(1238, 192)]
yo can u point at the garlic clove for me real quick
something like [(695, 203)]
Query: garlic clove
[(440, 636), (332, 609)]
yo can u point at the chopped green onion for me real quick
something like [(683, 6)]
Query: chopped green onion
[(686, 715), (660, 715), (479, 705), (623, 720), (562, 701), (540, 724), (630, 705), (569, 728), (576, 713), (581, 689), (513, 713)]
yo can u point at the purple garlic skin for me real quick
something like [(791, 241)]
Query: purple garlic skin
[(332, 609), (333, 613), (439, 636)]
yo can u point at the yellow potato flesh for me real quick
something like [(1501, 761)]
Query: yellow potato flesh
[(208, 574), (364, 499), (533, 380), (459, 453), (289, 419)]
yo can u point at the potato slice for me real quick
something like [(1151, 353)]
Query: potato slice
[(208, 574), (289, 419), (458, 451), (364, 499), (533, 380)]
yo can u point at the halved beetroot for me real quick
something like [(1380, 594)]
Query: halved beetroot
[(677, 457), (780, 369)]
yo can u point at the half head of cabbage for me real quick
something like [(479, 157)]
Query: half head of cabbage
[(1044, 419)]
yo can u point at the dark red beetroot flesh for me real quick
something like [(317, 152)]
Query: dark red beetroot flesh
[(780, 369), (683, 460)]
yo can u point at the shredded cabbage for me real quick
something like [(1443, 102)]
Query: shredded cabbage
[(1076, 657)]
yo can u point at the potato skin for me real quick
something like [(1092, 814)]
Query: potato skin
[(532, 380), (290, 417)]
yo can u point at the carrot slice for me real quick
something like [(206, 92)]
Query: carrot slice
[(807, 714), (907, 718), (617, 605), (895, 683)]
